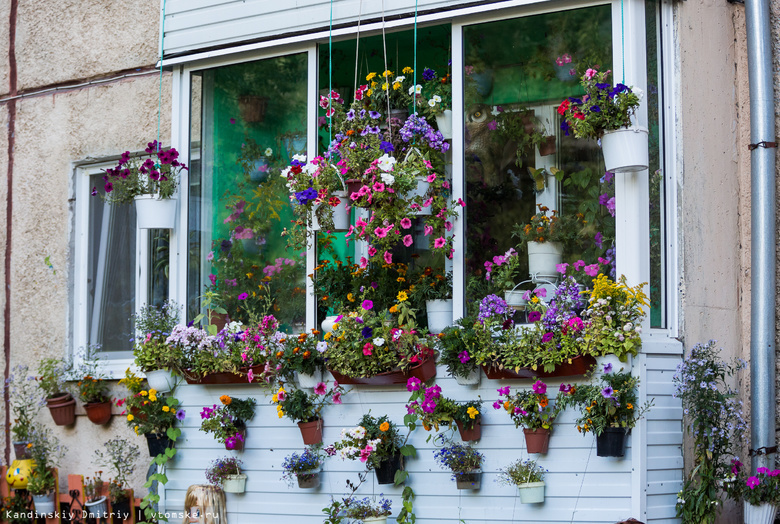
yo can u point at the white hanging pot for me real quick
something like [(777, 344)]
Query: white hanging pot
[(514, 298), (327, 324), (155, 213), (234, 483), (542, 259), (340, 212), (44, 504), (161, 380), (531, 492), (375, 520), (472, 379), (625, 149), (439, 315), (309, 381), (444, 123), (761, 514), (421, 190), (315, 222)]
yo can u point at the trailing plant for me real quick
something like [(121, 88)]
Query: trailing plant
[(364, 508), (530, 408), (459, 458), (153, 326), (227, 421), (302, 465), (521, 472), (301, 406), (151, 499), (26, 401), (221, 468), (457, 345)]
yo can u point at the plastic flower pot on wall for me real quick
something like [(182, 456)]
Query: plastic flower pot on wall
[(308, 479), (421, 190), (62, 409), (470, 434), (375, 520), (761, 514), (309, 381), (531, 492), (625, 149), (385, 472), (161, 380), (612, 442), (472, 379), (234, 483), (153, 212), (439, 315), (237, 444), (444, 123), (121, 507), (98, 508), (469, 480), (537, 440), (98, 412), (157, 443), (340, 213), (542, 259), (44, 504), (311, 432)]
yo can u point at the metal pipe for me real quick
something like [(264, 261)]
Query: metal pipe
[(762, 171)]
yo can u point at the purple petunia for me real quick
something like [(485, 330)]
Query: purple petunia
[(243, 296), (539, 387), (608, 392), (367, 304), (180, 414), (503, 391), (463, 356), (428, 74), (367, 332), (607, 368), (547, 337), (534, 316), (413, 384)]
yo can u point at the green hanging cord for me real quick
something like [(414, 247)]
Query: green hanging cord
[(623, 41), (330, 77), (414, 84), (159, 103)]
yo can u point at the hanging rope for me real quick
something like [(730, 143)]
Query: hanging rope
[(414, 67), (357, 48), (329, 111), (623, 41), (159, 102)]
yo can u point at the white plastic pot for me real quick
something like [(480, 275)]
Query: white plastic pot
[(421, 190), (234, 483), (340, 213), (309, 381), (625, 149), (161, 380), (531, 492), (514, 298), (542, 259), (444, 122), (439, 315), (761, 514), (327, 324), (155, 213), (97, 508), (375, 520), (44, 504), (471, 380)]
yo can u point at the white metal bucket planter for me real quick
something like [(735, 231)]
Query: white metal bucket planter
[(761, 514), (234, 483), (439, 315), (153, 212), (161, 380), (625, 149), (543, 257), (531, 492)]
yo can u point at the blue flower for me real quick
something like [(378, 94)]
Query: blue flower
[(575, 100), (387, 147), (595, 109), (367, 332), (306, 196), (565, 127), (429, 74), (608, 392), (600, 85), (374, 115)]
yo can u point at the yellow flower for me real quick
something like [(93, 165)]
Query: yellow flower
[(396, 86), (387, 73), (400, 279), (535, 299), (370, 76), (368, 93), (136, 430), (384, 426), (130, 417), (166, 409), (144, 393), (250, 275), (394, 309), (225, 399), (279, 411), (326, 336), (407, 70), (275, 398), (385, 86), (629, 406), (472, 412), (351, 297), (402, 296)]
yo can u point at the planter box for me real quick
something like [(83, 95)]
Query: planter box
[(229, 378), (579, 366), (470, 480), (424, 371)]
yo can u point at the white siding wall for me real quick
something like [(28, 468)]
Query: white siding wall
[(581, 487), (197, 24)]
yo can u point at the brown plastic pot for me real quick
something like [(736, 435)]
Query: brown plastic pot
[(469, 435), (98, 412), (537, 440), (547, 147), (62, 409), (311, 432)]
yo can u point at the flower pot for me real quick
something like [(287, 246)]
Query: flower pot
[(424, 370), (761, 514), (153, 212), (385, 471), (234, 483), (18, 474), (161, 380), (98, 508), (625, 149), (421, 191), (308, 479), (314, 221), (22, 451), (340, 212), (444, 123), (295, 145), (311, 432), (469, 480), (547, 147), (98, 412), (612, 442), (62, 409), (542, 259), (472, 379), (579, 365), (375, 520), (537, 440), (238, 444), (44, 504), (353, 185), (531, 492), (514, 298), (472, 434), (157, 443), (327, 324), (120, 508), (252, 108), (439, 315), (309, 381), (617, 365)]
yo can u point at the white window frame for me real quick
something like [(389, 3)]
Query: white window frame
[(111, 367)]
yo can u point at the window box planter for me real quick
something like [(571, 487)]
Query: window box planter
[(625, 149), (227, 378), (579, 366), (153, 212), (425, 371), (531, 492)]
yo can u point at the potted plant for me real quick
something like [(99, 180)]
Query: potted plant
[(434, 290), (468, 418), (47, 453), (306, 408), (528, 476), (150, 181), (465, 463), (150, 414), (436, 98), (429, 406), (545, 235), (376, 442), (387, 90), (760, 492), (518, 125), (226, 473), (26, 400), (154, 355), (305, 467), (95, 503), (120, 456), (228, 421), (51, 380), (367, 511), (457, 344), (93, 392), (531, 409), (606, 113), (301, 358), (609, 409)]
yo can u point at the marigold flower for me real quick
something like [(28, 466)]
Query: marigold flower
[(130, 417), (225, 399), (384, 426), (402, 296), (166, 409)]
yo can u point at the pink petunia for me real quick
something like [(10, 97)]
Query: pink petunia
[(561, 268), (250, 376), (406, 223), (439, 242), (367, 304), (431, 177), (579, 265), (539, 387), (371, 251), (428, 230), (320, 388), (337, 397), (379, 187), (388, 257), (448, 225), (380, 232), (592, 270), (367, 349), (408, 240)]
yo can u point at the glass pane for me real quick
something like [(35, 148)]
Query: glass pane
[(252, 121), (518, 163), (159, 266), (111, 270)]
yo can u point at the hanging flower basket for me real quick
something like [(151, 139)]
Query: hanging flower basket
[(62, 409), (421, 190), (444, 123), (531, 492), (537, 440), (153, 212), (612, 442), (22, 450), (161, 380), (547, 147), (470, 434), (439, 315), (625, 149), (98, 412), (309, 479), (234, 483), (424, 370), (543, 257), (340, 212), (761, 514), (237, 444), (385, 472), (469, 480), (311, 432)]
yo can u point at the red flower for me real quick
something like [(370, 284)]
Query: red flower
[(563, 107)]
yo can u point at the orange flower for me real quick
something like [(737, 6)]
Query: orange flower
[(296, 350), (306, 354), (384, 426), (225, 399), (543, 402)]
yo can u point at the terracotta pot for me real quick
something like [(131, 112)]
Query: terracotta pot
[(469, 435), (547, 147), (62, 409), (311, 432), (98, 412), (537, 440)]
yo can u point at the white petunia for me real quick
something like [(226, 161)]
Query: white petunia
[(386, 162), (432, 102), (269, 152), (379, 342), (387, 179)]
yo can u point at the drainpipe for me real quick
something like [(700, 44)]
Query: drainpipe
[(762, 174)]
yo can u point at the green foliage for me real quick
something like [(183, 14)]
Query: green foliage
[(549, 228), (521, 472), (120, 456), (153, 325), (519, 126), (454, 341), (47, 453), (227, 420), (52, 373), (149, 502), (26, 400)]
